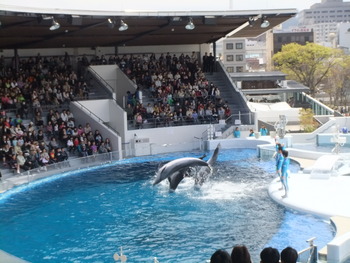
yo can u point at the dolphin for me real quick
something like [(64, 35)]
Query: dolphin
[(201, 176), (178, 166), (204, 173)]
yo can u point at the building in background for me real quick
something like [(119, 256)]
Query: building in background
[(344, 36), (324, 18), (299, 35), (234, 55)]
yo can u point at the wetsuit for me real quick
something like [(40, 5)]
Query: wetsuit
[(284, 177)]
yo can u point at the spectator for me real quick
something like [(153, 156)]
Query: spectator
[(94, 148), (87, 128), (53, 143), (108, 145), (98, 137), (70, 145), (102, 148), (269, 255), (240, 254), (220, 256), (289, 255), (21, 162)]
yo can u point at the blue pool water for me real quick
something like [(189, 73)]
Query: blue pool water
[(86, 216)]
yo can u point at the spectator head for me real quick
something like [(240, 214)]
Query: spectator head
[(289, 255), (269, 255), (220, 256), (240, 254)]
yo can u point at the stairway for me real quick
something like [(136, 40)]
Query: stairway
[(226, 92)]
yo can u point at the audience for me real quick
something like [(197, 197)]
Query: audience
[(24, 90), (289, 255), (240, 254), (269, 255), (220, 256), (177, 85)]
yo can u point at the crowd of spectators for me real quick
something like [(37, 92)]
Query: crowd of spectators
[(40, 81), (25, 87), (240, 254), (176, 85), (42, 143)]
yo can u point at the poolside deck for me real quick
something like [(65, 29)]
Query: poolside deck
[(324, 197)]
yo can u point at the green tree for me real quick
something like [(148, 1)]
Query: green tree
[(308, 64), (306, 118)]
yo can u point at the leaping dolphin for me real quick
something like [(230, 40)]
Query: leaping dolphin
[(177, 166), (176, 170)]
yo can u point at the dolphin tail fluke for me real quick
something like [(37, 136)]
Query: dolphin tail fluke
[(215, 155)]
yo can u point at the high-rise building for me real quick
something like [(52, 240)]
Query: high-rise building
[(323, 18), (292, 35)]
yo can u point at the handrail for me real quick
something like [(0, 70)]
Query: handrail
[(58, 168), (228, 77), (309, 254), (331, 111), (99, 78), (98, 118)]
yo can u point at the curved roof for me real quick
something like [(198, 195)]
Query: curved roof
[(23, 27)]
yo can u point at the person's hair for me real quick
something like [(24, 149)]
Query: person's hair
[(289, 255), (285, 153), (269, 255), (220, 256), (240, 254)]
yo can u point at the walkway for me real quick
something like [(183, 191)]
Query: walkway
[(322, 197)]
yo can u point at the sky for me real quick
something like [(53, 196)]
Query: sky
[(161, 5), (223, 4)]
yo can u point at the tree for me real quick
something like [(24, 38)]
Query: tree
[(308, 64), (338, 80), (307, 122)]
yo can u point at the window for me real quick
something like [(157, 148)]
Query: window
[(239, 45), (229, 57), (229, 69), (239, 69), (239, 57), (229, 45)]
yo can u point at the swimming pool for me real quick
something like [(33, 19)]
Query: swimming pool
[(86, 216)]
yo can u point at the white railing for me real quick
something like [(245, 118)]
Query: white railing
[(60, 167)]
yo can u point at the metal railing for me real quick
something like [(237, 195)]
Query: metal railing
[(309, 254), (318, 107), (103, 83), (56, 168), (167, 121), (95, 116)]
